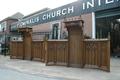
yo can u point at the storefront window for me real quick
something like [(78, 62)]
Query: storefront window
[(3, 26), (110, 26), (103, 28)]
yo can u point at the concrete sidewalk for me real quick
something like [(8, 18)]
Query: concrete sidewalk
[(38, 68)]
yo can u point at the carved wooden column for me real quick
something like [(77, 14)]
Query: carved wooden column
[(75, 42), (27, 42)]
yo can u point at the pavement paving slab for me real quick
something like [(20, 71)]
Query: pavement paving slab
[(33, 70)]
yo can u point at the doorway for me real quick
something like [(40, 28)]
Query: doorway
[(110, 26)]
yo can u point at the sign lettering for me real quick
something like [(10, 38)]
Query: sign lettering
[(74, 9)]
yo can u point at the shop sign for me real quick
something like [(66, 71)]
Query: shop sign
[(74, 9)]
